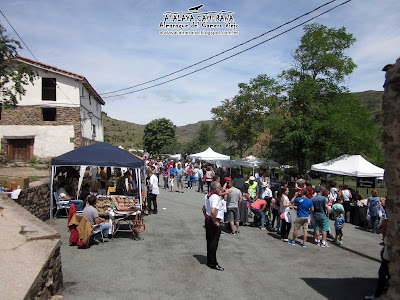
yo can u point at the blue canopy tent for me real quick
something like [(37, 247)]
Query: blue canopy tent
[(101, 155)]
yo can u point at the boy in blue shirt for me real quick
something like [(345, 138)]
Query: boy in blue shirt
[(304, 206), (339, 221)]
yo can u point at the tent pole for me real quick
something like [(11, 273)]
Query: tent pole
[(138, 178), (356, 188), (51, 190)]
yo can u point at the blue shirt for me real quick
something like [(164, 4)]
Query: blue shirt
[(303, 206), (172, 171), (179, 172), (339, 220), (319, 202), (373, 206)]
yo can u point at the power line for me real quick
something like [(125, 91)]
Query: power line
[(233, 55), (18, 36), (216, 55)]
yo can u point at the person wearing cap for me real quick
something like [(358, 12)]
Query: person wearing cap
[(253, 191), (266, 194), (321, 211), (226, 184)]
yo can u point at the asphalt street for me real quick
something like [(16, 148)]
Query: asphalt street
[(170, 263)]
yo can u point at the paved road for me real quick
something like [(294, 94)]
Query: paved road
[(170, 262)]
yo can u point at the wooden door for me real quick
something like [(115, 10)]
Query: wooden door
[(20, 149)]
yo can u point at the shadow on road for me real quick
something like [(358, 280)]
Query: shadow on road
[(201, 258), (342, 288)]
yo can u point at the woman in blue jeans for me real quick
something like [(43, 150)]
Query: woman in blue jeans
[(258, 208), (374, 205)]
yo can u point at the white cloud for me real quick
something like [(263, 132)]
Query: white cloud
[(116, 45)]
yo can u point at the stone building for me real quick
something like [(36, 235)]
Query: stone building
[(60, 111), (391, 146)]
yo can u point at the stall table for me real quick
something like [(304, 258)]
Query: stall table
[(122, 211), (122, 221)]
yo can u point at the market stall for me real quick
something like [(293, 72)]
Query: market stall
[(102, 155), (209, 155), (356, 166)]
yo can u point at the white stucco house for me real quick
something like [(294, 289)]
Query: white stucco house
[(59, 112)]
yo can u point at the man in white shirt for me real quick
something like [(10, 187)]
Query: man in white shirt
[(153, 191), (211, 206)]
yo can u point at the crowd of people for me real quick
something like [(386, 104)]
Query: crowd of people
[(226, 206)]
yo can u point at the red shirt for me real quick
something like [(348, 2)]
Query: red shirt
[(309, 191), (258, 204)]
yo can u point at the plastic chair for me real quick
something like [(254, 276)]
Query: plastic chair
[(97, 230), (61, 205)]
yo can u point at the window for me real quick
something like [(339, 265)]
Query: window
[(94, 130), (49, 89), (49, 114), (90, 100), (1, 109)]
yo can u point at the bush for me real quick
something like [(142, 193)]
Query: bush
[(8, 160)]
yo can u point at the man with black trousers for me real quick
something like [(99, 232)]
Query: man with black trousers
[(153, 191), (213, 213)]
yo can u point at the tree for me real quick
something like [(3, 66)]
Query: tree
[(205, 138), (13, 77), (320, 119), (243, 117), (159, 136)]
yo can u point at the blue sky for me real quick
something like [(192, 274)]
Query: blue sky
[(116, 44)]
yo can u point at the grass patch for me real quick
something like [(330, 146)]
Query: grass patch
[(35, 178)]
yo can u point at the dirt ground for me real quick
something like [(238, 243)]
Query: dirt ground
[(23, 171)]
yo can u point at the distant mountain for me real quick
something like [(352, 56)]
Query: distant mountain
[(129, 135), (372, 100)]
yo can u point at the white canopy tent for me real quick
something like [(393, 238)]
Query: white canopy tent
[(349, 165), (175, 156), (210, 155), (249, 161), (252, 161)]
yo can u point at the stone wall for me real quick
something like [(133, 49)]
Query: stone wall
[(36, 199), (32, 115), (49, 281), (391, 145), (30, 256)]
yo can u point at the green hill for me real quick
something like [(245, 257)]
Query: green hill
[(372, 100), (129, 135)]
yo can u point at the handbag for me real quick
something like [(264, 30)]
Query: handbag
[(282, 216), (368, 216), (288, 217)]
